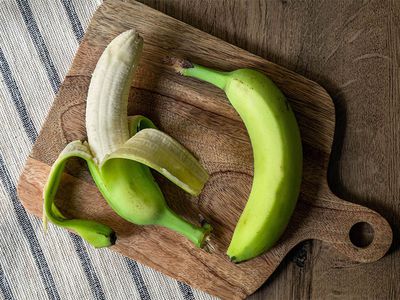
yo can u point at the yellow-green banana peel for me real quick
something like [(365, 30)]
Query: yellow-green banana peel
[(98, 235), (119, 152), (277, 152)]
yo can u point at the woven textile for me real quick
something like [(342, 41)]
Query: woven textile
[(38, 39)]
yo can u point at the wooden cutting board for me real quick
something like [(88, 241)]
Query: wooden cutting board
[(200, 117)]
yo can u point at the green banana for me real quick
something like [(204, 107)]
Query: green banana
[(277, 152), (120, 151)]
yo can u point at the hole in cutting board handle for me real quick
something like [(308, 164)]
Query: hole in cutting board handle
[(361, 234)]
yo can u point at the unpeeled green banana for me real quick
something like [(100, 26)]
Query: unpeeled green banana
[(120, 151), (277, 152)]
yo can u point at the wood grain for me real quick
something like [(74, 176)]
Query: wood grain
[(199, 117), (352, 49)]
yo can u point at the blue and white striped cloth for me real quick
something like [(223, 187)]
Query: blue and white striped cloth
[(38, 39)]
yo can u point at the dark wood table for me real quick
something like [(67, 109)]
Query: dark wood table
[(352, 48)]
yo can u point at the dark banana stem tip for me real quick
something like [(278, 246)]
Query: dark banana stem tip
[(113, 238), (178, 64)]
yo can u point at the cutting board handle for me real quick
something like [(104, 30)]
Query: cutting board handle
[(341, 224)]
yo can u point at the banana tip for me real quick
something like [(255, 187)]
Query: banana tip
[(113, 238), (233, 259), (178, 64)]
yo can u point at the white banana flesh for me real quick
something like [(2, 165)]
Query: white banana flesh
[(107, 100)]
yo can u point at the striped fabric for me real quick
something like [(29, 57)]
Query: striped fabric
[(38, 39)]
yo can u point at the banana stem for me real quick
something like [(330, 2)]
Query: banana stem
[(196, 234), (214, 77), (186, 68)]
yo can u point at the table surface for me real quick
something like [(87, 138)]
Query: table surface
[(351, 48)]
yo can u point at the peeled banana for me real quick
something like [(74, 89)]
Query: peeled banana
[(277, 151), (120, 151)]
